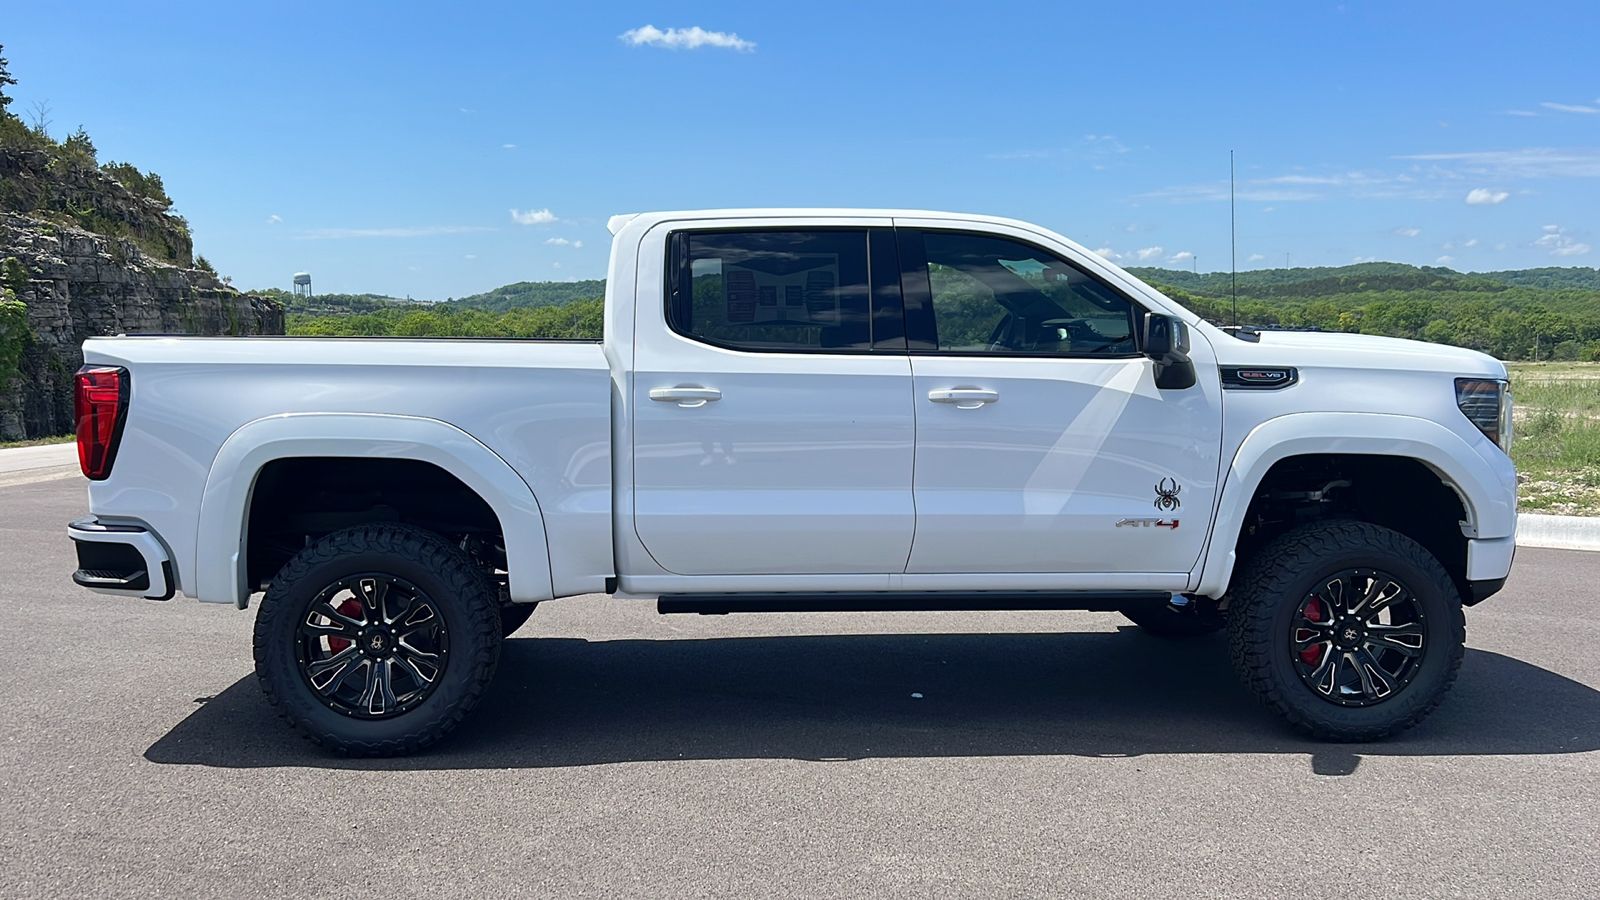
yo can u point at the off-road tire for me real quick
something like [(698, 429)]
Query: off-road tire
[(1266, 600), (465, 601), (1175, 623)]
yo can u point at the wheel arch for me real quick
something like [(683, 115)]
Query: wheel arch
[(1487, 507), (221, 545)]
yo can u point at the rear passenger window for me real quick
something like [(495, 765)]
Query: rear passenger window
[(771, 290)]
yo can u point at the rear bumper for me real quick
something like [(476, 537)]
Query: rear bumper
[(123, 559)]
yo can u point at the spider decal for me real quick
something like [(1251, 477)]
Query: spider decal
[(1167, 495)]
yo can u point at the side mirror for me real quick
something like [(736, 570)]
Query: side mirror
[(1166, 342)]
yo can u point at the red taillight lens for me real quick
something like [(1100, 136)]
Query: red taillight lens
[(101, 401)]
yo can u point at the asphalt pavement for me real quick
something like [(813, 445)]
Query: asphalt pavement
[(625, 754)]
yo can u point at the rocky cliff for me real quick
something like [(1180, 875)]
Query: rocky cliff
[(86, 256)]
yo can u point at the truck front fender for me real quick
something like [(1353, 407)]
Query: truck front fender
[(220, 563), (1482, 482)]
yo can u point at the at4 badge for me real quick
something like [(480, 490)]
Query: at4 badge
[(1167, 495)]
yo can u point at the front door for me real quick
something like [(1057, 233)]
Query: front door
[(772, 414), (1043, 444)]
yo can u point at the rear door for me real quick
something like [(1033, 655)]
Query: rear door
[(772, 409), (1043, 444)]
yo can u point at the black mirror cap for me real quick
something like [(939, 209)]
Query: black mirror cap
[(1166, 339), (1166, 342)]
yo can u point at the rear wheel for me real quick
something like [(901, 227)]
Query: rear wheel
[(377, 640), (1351, 631)]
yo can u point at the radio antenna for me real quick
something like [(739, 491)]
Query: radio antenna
[(1233, 228)]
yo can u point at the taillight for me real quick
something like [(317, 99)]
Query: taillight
[(1486, 402), (101, 401)]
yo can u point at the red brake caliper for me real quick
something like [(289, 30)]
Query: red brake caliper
[(1312, 655), (351, 608)]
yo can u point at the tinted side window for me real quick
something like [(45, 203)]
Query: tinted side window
[(772, 290), (993, 295)]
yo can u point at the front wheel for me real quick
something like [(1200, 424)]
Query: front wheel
[(377, 640), (1351, 631)]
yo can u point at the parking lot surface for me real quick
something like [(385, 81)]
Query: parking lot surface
[(621, 753)]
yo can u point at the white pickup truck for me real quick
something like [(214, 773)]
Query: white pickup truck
[(811, 410)]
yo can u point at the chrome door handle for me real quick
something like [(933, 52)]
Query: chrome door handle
[(687, 396), (965, 398)]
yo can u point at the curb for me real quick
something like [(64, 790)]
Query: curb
[(1558, 532)]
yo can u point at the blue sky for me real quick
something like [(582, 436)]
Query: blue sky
[(438, 150)]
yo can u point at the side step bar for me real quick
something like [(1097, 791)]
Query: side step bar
[(898, 601)]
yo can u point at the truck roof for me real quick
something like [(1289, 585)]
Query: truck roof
[(618, 222)]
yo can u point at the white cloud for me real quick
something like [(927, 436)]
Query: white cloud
[(1255, 257), (1531, 162), (1107, 253), (1520, 112), (684, 38), (1560, 243), (1180, 256), (1485, 197), (532, 216), (472, 256), (1567, 107), (1473, 242), (1148, 253), (563, 242), (556, 266), (274, 219), (1365, 259), (324, 234), (1444, 260), (508, 146), (1408, 232)]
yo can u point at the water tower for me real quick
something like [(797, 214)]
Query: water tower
[(302, 284)]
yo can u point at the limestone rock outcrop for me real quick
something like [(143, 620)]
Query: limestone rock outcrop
[(76, 285)]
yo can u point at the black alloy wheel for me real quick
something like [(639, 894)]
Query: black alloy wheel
[(1359, 637), (377, 640), (372, 645), (1349, 630)]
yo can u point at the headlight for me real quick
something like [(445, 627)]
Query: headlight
[(1486, 402)]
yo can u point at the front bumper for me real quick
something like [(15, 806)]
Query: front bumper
[(123, 559)]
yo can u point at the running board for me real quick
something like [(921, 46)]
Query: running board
[(904, 601)]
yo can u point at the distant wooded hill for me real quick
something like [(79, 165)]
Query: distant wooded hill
[(1529, 314), (534, 293), (1540, 314)]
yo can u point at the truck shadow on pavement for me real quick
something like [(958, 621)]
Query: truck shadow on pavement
[(569, 702)]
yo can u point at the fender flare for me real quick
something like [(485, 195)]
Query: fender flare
[(220, 559), (1480, 485)]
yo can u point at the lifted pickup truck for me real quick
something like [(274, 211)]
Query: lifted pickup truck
[(811, 410)]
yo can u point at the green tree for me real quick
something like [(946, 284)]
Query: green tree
[(5, 81), (15, 335)]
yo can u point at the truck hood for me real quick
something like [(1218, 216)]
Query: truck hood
[(1359, 351)]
